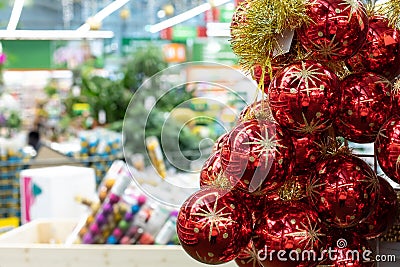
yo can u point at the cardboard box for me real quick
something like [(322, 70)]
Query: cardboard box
[(50, 192)]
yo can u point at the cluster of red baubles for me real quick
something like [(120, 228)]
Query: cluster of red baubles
[(275, 182)]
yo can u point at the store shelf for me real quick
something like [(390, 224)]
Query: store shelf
[(29, 245)]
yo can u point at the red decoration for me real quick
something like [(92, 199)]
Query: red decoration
[(388, 148), (345, 249), (288, 226), (259, 110), (344, 190), (337, 29), (304, 97), (383, 216), (212, 175), (213, 226), (220, 141), (248, 257), (381, 51), (257, 157), (308, 151), (256, 204), (365, 106)]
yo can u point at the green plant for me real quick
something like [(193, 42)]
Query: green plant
[(102, 94)]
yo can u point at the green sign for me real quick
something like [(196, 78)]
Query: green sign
[(131, 45), (214, 50), (28, 54), (226, 13), (183, 32)]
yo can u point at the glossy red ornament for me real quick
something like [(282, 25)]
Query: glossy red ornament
[(219, 142), (289, 226), (213, 226), (212, 174), (308, 150), (256, 204), (257, 157), (381, 51), (259, 110), (347, 248), (337, 29), (343, 190), (365, 106), (387, 146), (248, 257), (383, 216), (304, 97)]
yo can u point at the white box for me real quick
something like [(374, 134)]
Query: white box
[(28, 246), (50, 192)]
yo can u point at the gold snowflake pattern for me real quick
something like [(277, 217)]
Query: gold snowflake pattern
[(396, 87), (381, 134), (353, 5), (327, 49), (385, 82), (213, 218), (310, 127), (265, 145), (371, 180), (220, 181), (397, 164), (308, 75), (310, 234), (253, 257), (312, 188), (204, 259)]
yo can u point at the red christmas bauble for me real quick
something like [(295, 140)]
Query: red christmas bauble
[(345, 249), (292, 227), (387, 146), (365, 106), (381, 51), (257, 204), (308, 150), (337, 30), (257, 157), (259, 110), (304, 97), (383, 216), (220, 141), (212, 174), (248, 257), (344, 190), (213, 227)]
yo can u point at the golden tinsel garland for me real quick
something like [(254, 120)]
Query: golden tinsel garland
[(292, 190), (391, 10), (255, 39)]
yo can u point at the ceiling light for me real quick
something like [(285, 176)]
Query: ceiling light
[(184, 16), (15, 14), (161, 14), (105, 12)]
